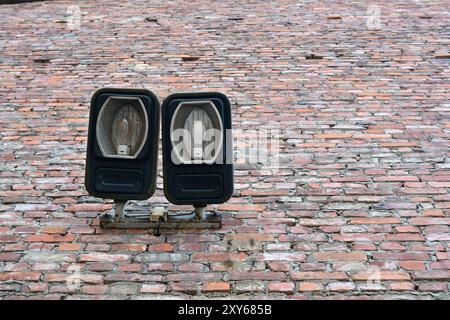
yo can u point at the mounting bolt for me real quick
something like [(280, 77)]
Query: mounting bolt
[(158, 214), (199, 212), (119, 210)]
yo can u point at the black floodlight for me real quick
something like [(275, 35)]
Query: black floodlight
[(122, 144), (197, 148)]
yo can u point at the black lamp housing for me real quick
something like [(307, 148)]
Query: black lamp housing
[(197, 148), (122, 147)]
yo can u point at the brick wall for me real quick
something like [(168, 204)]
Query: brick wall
[(359, 206)]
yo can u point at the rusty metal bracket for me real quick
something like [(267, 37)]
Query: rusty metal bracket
[(209, 220)]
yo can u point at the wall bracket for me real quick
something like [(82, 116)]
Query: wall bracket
[(207, 220)]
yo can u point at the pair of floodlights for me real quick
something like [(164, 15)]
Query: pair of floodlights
[(122, 150)]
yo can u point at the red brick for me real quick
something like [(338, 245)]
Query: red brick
[(95, 290), (429, 221), (418, 256), (49, 238), (398, 144), (319, 275), (392, 246), (239, 207), (37, 287), (340, 286), (443, 255), (401, 286), (432, 275), (216, 287), (88, 207), (309, 286), (133, 267), (407, 229), (412, 265), (383, 275), (153, 288), (185, 287), (333, 136), (101, 266), (405, 237), (252, 237), (212, 257), (162, 247), (104, 257), (69, 247), (433, 287), (340, 256), (285, 287), (257, 275), (281, 256), (132, 247), (12, 257), (279, 266), (164, 267), (20, 276), (364, 246), (191, 267), (54, 230), (433, 213), (395, 178), (375, 221)]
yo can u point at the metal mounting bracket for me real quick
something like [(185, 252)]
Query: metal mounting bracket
[(199, 219)]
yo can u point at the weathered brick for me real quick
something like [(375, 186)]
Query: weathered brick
[(14, 257), (163, 247), (375, 221), (405, 237), (305, 286), (124, 288), (130, 277), (285, 287), (88, 207), (69, 247), (319, 275), (48, 257), (20, 276), (340, 286), (401, 286), (433, 287), (282, 256), (249, 286), (212, 257), (162, 257), (153, 288), (104, 257), (360, 179), (412, 265), (49, 238), (339, 256), (216, 287), (132, 247), (432, 275), (420, 256), (13, 287), (96, 290), (37, 287), (257, 275), (185, 287), (429, 221), (381, 275), (190, 276), (133, 267)]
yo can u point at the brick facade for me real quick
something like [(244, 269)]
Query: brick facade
[(358, 208)]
